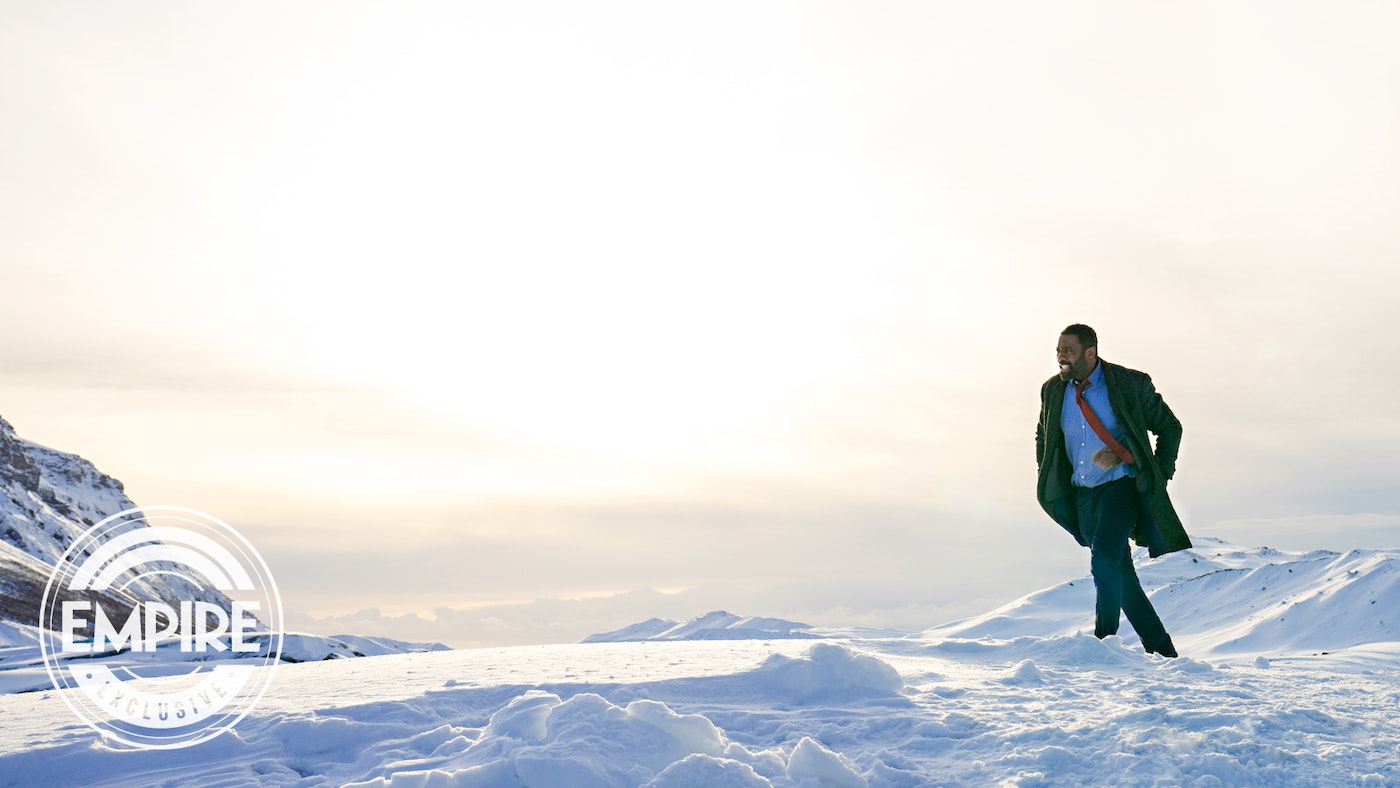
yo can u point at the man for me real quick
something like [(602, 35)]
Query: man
[(1102, 480)]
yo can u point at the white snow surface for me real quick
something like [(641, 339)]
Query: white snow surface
[(1290, 675), (22, 666)]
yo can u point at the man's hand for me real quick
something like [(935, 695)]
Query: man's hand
[(1105, 458)]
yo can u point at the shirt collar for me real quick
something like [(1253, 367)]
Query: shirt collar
[(1095, 377)]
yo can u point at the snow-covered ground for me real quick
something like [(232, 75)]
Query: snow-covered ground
[(22, 660), (1290, 675)]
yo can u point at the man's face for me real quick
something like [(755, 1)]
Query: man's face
[(1075, 361)]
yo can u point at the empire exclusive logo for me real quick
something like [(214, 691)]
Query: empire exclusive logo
[(169, 627)]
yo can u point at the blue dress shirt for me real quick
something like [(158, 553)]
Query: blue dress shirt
[(1081, 442)]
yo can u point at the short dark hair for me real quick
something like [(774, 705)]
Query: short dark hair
[(1086, 336)]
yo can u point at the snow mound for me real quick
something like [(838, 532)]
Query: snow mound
[(717, 625), (1026, 673), (828, 673), (541, 740), (812, 762), (707, 771)]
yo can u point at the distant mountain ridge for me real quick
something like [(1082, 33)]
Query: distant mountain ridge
[(1217, 599), (716, 625)]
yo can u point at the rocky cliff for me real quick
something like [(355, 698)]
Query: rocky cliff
[(48, 498)]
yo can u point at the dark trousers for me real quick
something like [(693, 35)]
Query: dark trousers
[(1107, 514)]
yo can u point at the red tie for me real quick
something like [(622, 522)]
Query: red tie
[(1097, 426)]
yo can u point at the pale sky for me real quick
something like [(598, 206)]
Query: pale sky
[(451, 308)]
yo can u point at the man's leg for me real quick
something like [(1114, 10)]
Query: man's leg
[(1140, 612), (1106, 517)]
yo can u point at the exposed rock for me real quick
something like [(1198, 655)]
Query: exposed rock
[(48, 498)]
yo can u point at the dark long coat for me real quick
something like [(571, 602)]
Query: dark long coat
[(1139, 409)]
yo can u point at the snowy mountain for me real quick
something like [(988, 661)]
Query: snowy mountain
[(718, 625), (1220, 600), (1289, 675), (48, 499)]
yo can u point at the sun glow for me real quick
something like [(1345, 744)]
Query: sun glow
[(584, 259)]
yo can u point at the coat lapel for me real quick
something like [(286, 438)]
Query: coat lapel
[(1115, 394)]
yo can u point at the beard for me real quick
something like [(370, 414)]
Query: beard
[(1078, 369)]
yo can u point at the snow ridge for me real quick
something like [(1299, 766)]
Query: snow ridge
[(1220, 600), (717, 625)]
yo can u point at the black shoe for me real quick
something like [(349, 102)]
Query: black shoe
[(1165, 648)]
